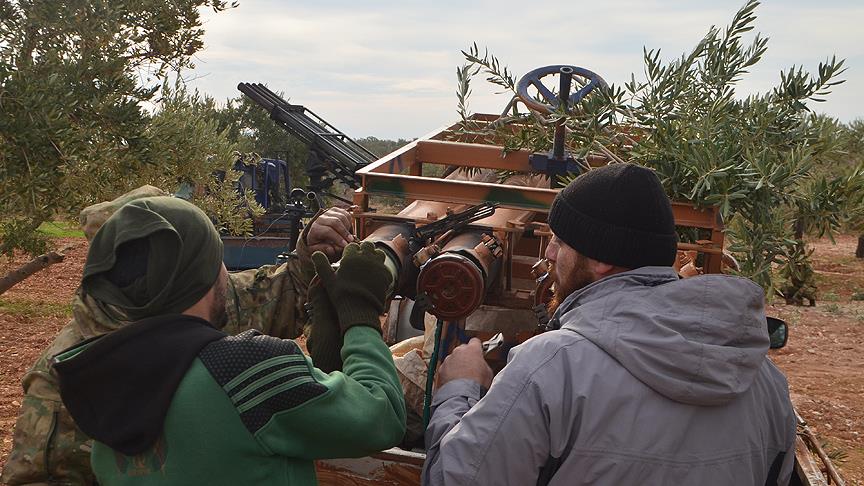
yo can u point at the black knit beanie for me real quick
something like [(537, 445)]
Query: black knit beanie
[(617, 214)]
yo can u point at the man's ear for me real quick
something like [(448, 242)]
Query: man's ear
[(600, 269)]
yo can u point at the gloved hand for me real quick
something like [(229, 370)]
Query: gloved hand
[(325, 336), (358, 289)]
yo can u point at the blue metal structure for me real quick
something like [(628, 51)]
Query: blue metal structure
[(276, 231)]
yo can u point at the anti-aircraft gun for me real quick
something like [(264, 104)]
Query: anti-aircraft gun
[(333, 156), (469, 241)]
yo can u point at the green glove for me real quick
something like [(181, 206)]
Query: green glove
[(358, 289), (325, 337)]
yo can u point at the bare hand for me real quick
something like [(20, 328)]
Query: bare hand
[(466, 362), (330, 233)]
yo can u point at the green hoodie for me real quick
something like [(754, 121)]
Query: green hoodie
[(249, 409), (47, 445)]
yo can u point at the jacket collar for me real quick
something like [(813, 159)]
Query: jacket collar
[(639, 277)]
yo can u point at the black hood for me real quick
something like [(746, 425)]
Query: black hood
[(118, 387)]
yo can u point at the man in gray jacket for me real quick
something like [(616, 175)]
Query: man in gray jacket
[(648, 379)]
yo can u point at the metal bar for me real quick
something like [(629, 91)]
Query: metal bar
[(342, 154), (395, 162), (362, 151), (516, 197), (543, 90), (713, 250), (687, 215), (428, 149), (402, 456), (484, 224), (714, 262), (565, 77), (464, 192)]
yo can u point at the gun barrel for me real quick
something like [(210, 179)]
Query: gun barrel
[(342, 155), (456, 280)]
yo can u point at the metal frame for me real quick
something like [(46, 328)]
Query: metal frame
[(400, 174)]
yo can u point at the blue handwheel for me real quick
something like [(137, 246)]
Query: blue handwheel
[(534, 78)]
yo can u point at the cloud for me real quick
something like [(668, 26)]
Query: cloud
[(387, 68)]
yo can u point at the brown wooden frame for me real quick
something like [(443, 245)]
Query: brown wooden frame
[(387, 176)]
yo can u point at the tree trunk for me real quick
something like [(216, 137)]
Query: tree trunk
[(35, 265), (799, 229), (859, 252)]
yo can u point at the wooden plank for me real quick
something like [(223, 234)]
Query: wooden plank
[(806, 467), (471, 155), (687, 215)]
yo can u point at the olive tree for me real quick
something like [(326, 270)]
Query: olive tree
[(75, 77), (758, 158)]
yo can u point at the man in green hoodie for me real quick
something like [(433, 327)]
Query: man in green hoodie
[(171, 399), (49, 448)]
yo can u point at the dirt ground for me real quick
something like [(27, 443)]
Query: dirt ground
[(824, 359), (31, 313)]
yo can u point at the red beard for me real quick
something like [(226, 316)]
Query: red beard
[(577, 278), (553, 304)]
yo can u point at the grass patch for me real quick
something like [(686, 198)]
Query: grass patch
[(836, 454), (858, 296), (832, 308), (35, 308), (830, 297), (60, 229)]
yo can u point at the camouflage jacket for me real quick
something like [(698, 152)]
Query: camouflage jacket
[(49, 449)]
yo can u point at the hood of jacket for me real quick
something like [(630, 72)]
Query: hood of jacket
[(699, 340), (118, 386)]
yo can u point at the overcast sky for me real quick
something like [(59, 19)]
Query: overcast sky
[(387, 68)]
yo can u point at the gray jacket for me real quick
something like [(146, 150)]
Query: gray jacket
[(649, 380)]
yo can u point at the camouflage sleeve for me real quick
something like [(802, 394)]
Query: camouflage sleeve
[(47, 446), (93, 217), (270, 299)]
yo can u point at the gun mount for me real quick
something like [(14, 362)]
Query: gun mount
[(277, 230), (332, 154), (558, 161), (479, 278)]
